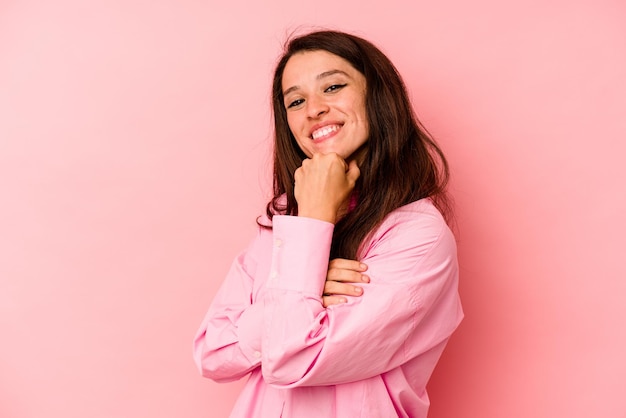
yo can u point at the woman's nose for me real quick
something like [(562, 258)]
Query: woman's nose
[(316, 107)]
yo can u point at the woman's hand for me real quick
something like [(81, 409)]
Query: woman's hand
[(323, 184), (340, 279)]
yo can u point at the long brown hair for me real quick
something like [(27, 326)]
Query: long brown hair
[(402, 163)]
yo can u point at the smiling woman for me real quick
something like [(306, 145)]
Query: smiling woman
[(346, 298), (325, 101)]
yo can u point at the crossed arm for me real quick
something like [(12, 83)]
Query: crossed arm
[(316, 322)]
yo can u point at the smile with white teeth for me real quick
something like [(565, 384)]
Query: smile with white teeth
[(325, 130)]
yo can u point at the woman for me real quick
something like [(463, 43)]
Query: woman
[(344, 301)]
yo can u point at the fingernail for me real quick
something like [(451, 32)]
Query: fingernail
[(363, 266), (342, 300), (365, 278), (358, 290)]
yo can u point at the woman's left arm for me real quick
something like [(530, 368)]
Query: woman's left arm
[(410, 305)]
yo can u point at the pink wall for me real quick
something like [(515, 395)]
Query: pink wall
[(133, 161)]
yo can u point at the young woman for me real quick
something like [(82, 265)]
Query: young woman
[(344, 301)]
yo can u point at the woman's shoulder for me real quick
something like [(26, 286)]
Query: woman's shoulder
[(416, 224), (421, 211)]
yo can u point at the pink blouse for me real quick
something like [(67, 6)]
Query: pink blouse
[(369, 357)]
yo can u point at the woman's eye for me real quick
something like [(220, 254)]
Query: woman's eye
[(334, 87), (295, 103)]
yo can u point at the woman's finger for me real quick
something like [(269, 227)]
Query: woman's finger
[(339, 288), (344, 270), (345, 263), (341, 274), (349, 276), (332, 300)]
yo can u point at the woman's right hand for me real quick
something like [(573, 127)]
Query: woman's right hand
[(340, 279), (323, 184)]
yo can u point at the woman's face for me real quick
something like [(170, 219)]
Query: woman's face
[(324, 97)]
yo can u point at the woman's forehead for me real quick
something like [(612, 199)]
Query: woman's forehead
[(311, 66)]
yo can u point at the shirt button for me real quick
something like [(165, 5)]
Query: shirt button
[(257, 354), (274, 274), (277, 243)]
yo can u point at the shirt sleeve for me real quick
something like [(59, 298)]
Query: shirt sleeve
[(228, 343), (410, 306)]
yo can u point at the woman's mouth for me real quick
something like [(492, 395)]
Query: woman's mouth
[(325, 131)]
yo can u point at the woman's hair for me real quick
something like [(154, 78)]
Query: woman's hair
[(401, 164)]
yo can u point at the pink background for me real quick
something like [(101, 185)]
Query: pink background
[(133, 161)]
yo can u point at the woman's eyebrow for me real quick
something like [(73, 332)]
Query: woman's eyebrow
[(331, 72), (319, 77)]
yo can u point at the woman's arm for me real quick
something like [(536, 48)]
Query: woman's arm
[(410, 306), (227, 344)]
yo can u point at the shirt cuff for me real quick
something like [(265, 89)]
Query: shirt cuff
[(300, 254)]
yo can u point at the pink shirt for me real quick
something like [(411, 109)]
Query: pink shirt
[(370, 357)]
